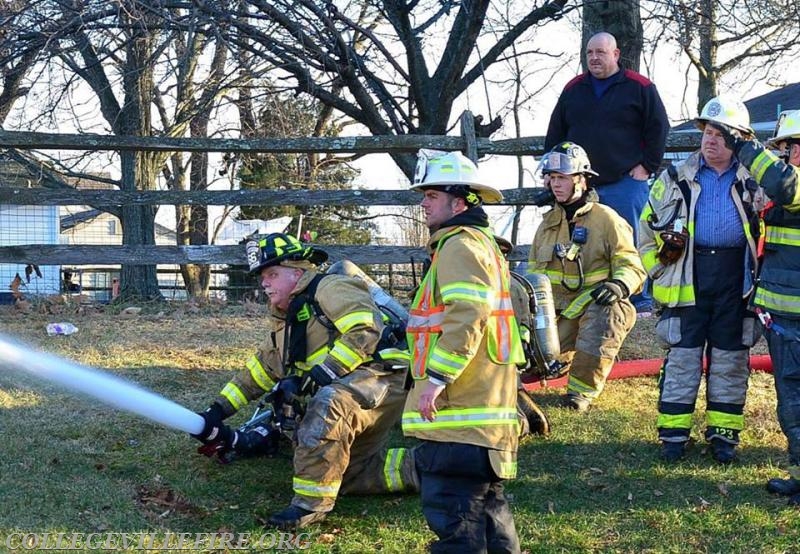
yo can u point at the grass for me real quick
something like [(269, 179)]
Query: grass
[(72, 465)]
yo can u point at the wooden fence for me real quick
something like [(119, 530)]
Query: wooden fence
[(44, 254)]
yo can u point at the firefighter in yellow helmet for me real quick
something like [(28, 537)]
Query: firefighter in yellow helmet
[(464, 346), (327, 342), (777, 295), (587, 251), (698, 246)]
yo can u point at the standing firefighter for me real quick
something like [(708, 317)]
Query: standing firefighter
[(698, 247), (327, 343), (587, 251), (464, 346), (777, 296)]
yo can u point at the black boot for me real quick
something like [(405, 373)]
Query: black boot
[(723, 452), (538, 423), (295, 517), (672, 451), (784, 487)]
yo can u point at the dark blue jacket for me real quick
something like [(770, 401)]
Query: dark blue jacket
[(627, 126)]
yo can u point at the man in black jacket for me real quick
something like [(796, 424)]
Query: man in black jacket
[(618, 117)]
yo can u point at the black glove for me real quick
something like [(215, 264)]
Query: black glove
[(733, 138), (286, 391), (259, 441), (542, 196), (212, 424), (610, 292), (319, 376)]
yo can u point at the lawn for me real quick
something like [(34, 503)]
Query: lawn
[(72, 465)]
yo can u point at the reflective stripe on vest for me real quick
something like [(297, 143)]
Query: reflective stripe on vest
[(425, 317), (454, 418)]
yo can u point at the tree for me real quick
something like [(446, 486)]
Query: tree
[(280, 116), (725, 38), (373, 62), (152, 70), (621, 19)]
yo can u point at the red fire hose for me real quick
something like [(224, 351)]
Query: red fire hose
[(643, 368)]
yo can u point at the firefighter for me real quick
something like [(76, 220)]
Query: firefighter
[(699, 250), (586, 249), (777, 295), (326, 342), (465, 346)]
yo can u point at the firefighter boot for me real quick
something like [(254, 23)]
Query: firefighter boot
[(784, 487), (533, 418), (724, 452), (575, 401), (295, 517), (672, 451)]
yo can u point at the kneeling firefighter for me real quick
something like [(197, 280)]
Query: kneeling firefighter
[(327, 345), (586, 250)]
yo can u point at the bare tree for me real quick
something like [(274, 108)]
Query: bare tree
[(728, 37), (620, 18), (152, 69), (396, 67)]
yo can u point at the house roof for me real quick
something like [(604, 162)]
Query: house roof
[(763, 109)]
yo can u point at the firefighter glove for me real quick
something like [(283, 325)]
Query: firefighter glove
[(672, 247), (610, 292), (320, 375), (212, 424), (543, 197), (258, 441), (733, 138), (286, 391)]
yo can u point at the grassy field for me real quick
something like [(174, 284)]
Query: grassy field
[(72, 465)]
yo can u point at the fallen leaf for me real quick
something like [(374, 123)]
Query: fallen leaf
[(130, 311), (326, 538), (551, 508), (723, 489), (630, 497), (14, 286), (658, 493), (596, 470)]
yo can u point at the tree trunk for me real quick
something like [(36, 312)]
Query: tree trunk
[(138, 222), (707, 74), (621, 18)]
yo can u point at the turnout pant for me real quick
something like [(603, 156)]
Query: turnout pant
[(718, 327), (785, 354), (591, 342), (463, 500), (342, 440)]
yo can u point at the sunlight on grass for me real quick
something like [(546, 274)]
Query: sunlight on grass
[(596, 484)]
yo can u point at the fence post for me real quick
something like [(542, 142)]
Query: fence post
[(468, 133)]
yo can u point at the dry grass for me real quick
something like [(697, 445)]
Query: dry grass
[(595, 485)]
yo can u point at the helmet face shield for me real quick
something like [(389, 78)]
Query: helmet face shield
[(567, 158)]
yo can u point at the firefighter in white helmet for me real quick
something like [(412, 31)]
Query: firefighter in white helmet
[(699, 248), (777, 295), (327, 343), (465, 347), (586, 249)]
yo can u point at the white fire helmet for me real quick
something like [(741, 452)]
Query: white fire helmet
[(726, 110), (788, 127), (454, 173)]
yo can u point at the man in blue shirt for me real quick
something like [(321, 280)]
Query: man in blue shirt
[(698, 245)]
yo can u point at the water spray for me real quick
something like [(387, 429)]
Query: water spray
[(105, 387)]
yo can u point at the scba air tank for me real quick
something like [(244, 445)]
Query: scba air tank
[(545, 330)]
